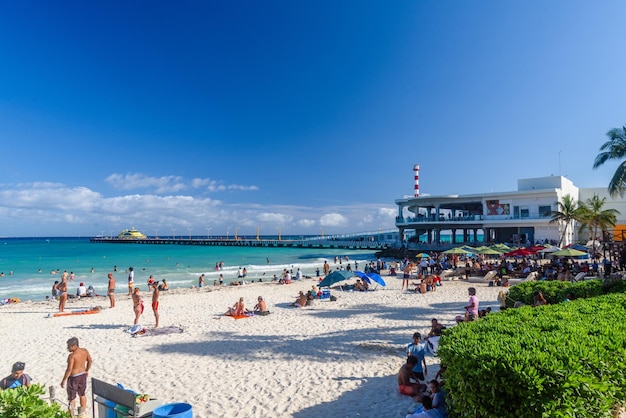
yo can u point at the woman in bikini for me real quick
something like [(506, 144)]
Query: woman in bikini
[(137, 305), (237, 309)]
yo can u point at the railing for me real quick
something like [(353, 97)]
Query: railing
[(470, 218)]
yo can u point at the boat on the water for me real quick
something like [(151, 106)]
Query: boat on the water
[(131, 234)]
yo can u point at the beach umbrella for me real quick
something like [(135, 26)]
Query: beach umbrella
[(568, 252), (503, 247), (335, 277), (535, 248), (489, 251), (457, 250), (518, 253), (371, 277), (422, 255), (550, 249), (578, 247)]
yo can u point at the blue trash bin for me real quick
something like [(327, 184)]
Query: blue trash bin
[(173, 410)]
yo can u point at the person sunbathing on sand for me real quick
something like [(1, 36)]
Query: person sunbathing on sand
[(300, 300), (237, 309)]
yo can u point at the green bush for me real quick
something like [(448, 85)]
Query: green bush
[(564, 360), (556, 291), (26, 402)]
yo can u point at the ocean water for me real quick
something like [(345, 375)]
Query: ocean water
[(27, 264)]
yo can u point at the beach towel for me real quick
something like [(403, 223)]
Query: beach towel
[(150, 332), (77, 312), (239, 316)]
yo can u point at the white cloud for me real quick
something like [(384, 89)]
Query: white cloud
[(333, 219), (39, 209), (307, 223), (169, 184), (275, 218)]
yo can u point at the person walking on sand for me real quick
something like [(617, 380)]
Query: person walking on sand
[(78, 365), (131, 280), (137, 305), (111, 290), (155, 302), (62, 294)]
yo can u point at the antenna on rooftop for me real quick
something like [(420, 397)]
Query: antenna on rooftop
[(416, 170)]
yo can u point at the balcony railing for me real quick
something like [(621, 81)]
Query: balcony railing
[(471, 218)]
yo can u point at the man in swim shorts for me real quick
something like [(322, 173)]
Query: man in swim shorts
[(78, 365), (111, 290), (406, 385)]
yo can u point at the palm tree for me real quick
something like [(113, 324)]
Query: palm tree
[(594, 216), (614, 149), (568, 212)]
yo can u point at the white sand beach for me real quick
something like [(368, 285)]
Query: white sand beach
[(336, 359)]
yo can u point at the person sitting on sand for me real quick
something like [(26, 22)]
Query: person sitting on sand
[(427, 410), (82, 290), (17, 377), (538, 299), (238, 309), (435, 325), (406, 384), (361, 286), (300, 300), (164, 285), (261, 307)]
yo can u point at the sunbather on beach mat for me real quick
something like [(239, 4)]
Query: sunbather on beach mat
[(147, 332)]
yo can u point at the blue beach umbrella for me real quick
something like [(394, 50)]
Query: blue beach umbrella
[(335, 277), (371, 277)]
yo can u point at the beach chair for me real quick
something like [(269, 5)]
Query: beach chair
[(579, 276), (532, 276), (490, 275)]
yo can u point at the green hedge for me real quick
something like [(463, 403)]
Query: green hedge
[(26, 402), (565, 360), (555, 291)]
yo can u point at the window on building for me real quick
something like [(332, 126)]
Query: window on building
[(524, 213), (544, 211)]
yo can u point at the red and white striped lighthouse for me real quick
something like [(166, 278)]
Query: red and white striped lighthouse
[(416, 170)]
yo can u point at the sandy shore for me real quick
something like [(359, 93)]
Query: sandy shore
[(336, 359)]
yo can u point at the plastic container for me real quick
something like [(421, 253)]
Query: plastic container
[(121, 412), (107, 410), (173, 410)]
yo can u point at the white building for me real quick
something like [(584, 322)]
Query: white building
[(521, 216)]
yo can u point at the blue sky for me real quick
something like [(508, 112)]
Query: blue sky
[(303, 116)]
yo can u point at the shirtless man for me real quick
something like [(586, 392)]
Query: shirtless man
[(155, 302), (62, 288), (137, 305), (111, 290), (78, 365), (405, 385), (261, 307)]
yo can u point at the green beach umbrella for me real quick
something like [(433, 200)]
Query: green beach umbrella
[(457, 250), (489, 251), (568, 252)]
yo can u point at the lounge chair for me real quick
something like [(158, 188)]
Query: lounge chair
[(490, 275), (579, 276)]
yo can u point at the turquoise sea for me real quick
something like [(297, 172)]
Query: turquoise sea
[(27, 263)]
